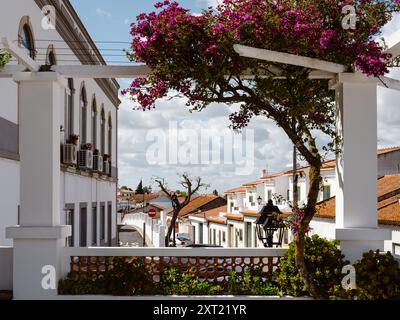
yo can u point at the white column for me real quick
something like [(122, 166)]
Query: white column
[(161, 237), (39, 238), (356, 170)]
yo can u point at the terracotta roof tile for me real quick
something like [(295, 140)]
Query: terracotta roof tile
[(388, 207), (236, 190), (146, 197), (250, 213), (388, 150), (235, 216), (196, 203), (254, 183), (210, 213)]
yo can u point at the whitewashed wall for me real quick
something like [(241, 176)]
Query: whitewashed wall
[(9, 197), (78, 189)]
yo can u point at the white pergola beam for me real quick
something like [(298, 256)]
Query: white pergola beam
[(389, 83), (8, 71), (99, 71), (286, 58), (19, 54), (393, 43)]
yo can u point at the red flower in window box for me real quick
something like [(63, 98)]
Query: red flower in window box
[(73, 139)]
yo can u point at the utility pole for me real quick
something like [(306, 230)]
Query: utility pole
[(294, 177)]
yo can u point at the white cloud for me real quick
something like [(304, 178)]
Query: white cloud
[(103, 13), (272, 148)]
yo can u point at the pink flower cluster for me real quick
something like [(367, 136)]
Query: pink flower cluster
[(295, 220), (173, 42)]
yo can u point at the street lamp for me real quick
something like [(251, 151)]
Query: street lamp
[(268, 223)]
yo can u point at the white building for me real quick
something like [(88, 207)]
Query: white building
[(236, 224), (89, 109)]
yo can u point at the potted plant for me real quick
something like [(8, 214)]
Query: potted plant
[(73, 139), (86, 146)]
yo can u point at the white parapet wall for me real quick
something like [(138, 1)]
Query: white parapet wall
[(155, 230), (6, 268)]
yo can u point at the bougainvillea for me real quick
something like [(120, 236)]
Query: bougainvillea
[(194, 56), (177, 44)]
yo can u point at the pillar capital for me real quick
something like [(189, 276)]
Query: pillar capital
[(56, 232), (40, 77)]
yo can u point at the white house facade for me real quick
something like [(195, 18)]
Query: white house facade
[(88, 124), (236, 224)]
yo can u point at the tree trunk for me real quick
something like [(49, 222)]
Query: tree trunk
[(309, 212), (171, 228)]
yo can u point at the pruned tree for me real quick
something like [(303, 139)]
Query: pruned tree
[(191, 186)]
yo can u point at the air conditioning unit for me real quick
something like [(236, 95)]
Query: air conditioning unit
[(98, 163), (106, 168), (69, 154), (85, 159)]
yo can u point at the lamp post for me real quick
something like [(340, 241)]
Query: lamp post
[(267, 224)]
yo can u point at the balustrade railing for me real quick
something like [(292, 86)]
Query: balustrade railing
[(211, 264)]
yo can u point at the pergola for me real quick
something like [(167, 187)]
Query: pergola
[(40, 236)]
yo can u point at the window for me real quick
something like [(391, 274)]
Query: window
[(232, 205), (255, 238), (219, 238), (102, 132), (298, 193), (327, 192), (251, 199), (241, 234), (214, 236), (26, 38), (51, 56), (69, 221), (83, 115), (109, 136), (102, 222), (69, 110), (109, 224), (94, 224), (94, 123), (249, 228), (223, 236), (396, 249), (200, 233), (83, 227), (269, 194)]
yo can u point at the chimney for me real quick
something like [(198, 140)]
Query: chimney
[(264, 173)]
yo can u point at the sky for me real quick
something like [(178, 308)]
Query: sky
[(142, 135)]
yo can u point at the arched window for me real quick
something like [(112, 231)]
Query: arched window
[(69, 109), (109, 135), (102, 132), (94, 122), (51, 59), (25, 37), (83, 115)]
